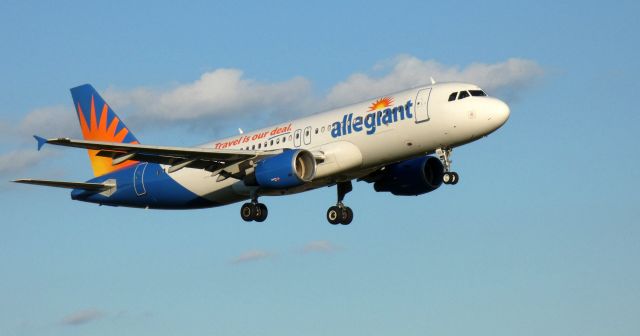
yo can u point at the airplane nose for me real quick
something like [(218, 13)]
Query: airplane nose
[(501, 112)]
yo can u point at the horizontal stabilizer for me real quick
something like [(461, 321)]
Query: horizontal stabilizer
[(69, 185), (41, 141)]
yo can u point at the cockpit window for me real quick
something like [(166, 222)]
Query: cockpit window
[(477, 93), (463, 95), (452, 96)]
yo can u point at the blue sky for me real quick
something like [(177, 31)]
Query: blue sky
[(540, 237)]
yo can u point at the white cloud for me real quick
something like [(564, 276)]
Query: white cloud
[(225, 98), (226, 94), (406, 71), (82, 317), (320, 246), (20, 160), (251, 255), (222, 93), (51, 122)]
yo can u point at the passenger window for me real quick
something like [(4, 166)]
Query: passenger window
[(316, 131), (271, 143), (259, 145), (297, 135), (452, 96), (477, 93), (463, 95), (284, 139), (322, 129)]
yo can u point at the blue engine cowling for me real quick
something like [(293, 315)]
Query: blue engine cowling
[(411, 177), (286, 170)]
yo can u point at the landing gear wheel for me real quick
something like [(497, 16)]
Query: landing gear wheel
[(254, 212), (347, 216), (450, 178), (247, 212), (261, 212), (456, 178), (334, 215), (340, 214), (447, 178)]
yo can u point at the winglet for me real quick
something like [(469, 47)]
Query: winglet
[(41, 141)]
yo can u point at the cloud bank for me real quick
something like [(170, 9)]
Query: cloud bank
[(20, 160), (503, 78), (226, 94), (225, 98), (222, 93)]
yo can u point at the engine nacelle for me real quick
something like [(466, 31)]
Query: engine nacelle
[(411, 177), (286, 170)]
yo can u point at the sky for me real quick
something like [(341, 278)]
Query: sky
[(540, 237)]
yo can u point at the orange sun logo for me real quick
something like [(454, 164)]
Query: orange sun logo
[(381, 104), (97, 130)]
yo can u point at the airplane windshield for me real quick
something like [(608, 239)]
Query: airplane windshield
[(464, 94)]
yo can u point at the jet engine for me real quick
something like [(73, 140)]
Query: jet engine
[(411, 177), (286, 170)]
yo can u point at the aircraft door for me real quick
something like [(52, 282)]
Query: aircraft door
[(307, 135), (422, 105), (297, 138), (138, 179)]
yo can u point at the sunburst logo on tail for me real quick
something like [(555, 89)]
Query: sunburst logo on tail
[(102, 129), (381, 103)]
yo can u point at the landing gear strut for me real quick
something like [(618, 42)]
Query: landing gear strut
[(448, 177), (341, 214), (254, 211)]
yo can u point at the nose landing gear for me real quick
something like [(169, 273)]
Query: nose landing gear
[(448, 177), (339, 213)]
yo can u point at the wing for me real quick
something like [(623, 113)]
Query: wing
[(214, 160)]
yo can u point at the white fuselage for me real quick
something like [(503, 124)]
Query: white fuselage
[(353, 141)]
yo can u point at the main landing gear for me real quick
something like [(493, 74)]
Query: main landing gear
[(341, 214), (254, 211), (448, 177)]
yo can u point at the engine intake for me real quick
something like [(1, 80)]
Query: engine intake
[(411, 177), (286, 170)]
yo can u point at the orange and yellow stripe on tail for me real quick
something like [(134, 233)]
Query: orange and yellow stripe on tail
[(105, 127)]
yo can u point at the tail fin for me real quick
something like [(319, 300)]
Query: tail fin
[(99, 123)]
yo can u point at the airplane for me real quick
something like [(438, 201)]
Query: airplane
[(401, 143)]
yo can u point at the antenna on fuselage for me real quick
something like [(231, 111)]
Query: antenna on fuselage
[(433, 81), (240, 130)]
